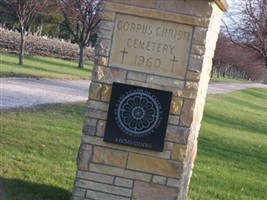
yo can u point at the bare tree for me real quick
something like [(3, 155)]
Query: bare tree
[(26, 11), (247, 25), (233, 61), (81, 20)]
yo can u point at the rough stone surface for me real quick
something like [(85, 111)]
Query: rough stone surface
[(85, 153), (95, 177), (95, 91), (109, 156), (124, 182), (103, 187), (179, 152), (176, 105), (106, 93), (165, 45), (159, 179), (120, 172), (177, 134), (154, 165), (153, 192), (109, 75), (173, 182), (103, 196)]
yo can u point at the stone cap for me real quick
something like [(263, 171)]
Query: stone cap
[(223, 5)]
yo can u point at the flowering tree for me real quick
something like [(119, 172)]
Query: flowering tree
[(81, 20)]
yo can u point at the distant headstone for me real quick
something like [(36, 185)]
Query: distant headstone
[(146, 99)]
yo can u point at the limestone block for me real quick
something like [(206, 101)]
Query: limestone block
[(120, 172), (173, 182), (191, 85), (159, 179), (176, 105), (168, 146), (89, 130), (102, 47), (84, 155), (106, 93), (194, 8), (174, 120), (179, 152), (103, 196), (107, 15), (79, 192), (193, 76), (198, 50), (101, 60), (109, 75), (200, 35), (95, 91), (195, 63), (77, 198), (151, 191), (100, 131), (99, 142), (124, 182), (157, 14), (107, 25), (186, 118), (142, 84), (148, 4), (177, 134), (89, 126), (95, 177), (90, 121), (97, 114), (97, 105), (109, 156), (154, 165), (185, 94), (164, 81), (103, 187), (136, 76)]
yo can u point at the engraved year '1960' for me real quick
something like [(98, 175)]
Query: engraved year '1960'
[(147, 61)]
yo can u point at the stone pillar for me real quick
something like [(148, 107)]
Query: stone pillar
[(164, 45)]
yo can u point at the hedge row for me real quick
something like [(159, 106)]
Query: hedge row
[(10, 42)]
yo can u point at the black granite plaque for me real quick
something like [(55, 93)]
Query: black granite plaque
[(138, 116)]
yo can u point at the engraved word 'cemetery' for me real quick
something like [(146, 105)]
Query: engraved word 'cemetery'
[(152, 46)]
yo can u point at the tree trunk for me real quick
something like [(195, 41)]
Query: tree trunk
[(22, 44), (81, 57), (212, 71)]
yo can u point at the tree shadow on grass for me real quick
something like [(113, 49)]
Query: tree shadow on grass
[(14, 189)]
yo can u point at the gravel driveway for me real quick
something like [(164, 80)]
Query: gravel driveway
[(27, 92), (217, 88)]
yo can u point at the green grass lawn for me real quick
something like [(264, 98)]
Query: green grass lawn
[(43, 67), (232, 152), (228, 80), (39, 147), (38, 151)]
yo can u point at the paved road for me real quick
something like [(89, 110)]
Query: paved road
[(27, 92)]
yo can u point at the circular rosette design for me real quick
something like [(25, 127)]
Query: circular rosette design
[(138, 114)]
